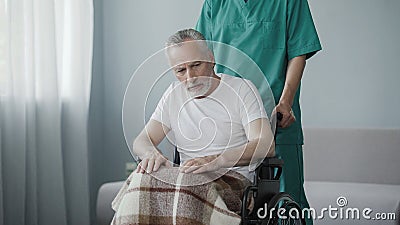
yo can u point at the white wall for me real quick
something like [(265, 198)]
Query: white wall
[(351, 83)]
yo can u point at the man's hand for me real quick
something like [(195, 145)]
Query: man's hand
[(152, 162), (201, 165), (287, 114)]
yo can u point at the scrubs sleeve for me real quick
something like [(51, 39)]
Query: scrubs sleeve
[(204, 24), (302, 36)]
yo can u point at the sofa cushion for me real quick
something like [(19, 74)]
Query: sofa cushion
[(106, 195), (378, 197)]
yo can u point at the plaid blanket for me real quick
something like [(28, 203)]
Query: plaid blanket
[(146, 200)]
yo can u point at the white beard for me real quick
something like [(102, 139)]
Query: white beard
[(200, 87)]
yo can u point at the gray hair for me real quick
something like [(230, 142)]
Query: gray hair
[(184, 35)]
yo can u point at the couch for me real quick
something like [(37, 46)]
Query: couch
[(348, 169), (359, 166)]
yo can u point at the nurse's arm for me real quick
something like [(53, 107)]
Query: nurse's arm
[(145, 147), (294, 74), (260, 144)]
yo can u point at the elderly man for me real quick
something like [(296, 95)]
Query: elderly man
[(219, 126)]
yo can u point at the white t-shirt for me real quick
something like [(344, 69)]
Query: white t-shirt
[(210, 125)]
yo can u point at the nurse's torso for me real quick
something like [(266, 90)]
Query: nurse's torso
[(258, 28)]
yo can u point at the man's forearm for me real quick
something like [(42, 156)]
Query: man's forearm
[(149, 138), (142, 146), (294, 74)]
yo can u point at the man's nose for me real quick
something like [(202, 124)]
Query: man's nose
[(190, 74)]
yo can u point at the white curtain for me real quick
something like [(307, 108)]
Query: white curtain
[(45, 67)]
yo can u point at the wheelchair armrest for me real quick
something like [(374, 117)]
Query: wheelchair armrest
[(177, 157), (272, 162), (269, 169)]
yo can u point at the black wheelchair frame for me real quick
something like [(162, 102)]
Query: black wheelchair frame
[(266, 196)]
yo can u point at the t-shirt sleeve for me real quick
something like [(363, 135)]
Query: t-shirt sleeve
[(302, 35), (251, 105), (204, 24), (161, 113)]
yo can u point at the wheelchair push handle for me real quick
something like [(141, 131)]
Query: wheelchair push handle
[(279, 116)]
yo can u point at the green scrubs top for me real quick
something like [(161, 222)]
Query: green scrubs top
[(270, 32)]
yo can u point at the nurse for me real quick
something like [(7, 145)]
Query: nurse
[(279, 35)]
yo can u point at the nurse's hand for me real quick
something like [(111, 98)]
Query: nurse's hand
[(202, 164), (287, 114), (152, 162)]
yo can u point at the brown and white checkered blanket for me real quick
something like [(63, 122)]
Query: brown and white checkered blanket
[(146, 200)]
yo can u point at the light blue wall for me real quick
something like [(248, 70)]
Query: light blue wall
[(354, 81), (351, 83), (96, 113), (132, 31)]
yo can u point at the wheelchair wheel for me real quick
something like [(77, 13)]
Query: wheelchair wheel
[(289, 211)]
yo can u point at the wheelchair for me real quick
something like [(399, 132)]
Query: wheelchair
[(266, 195), (276, 206)]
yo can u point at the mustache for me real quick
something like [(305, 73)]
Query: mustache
[(194, 85)]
